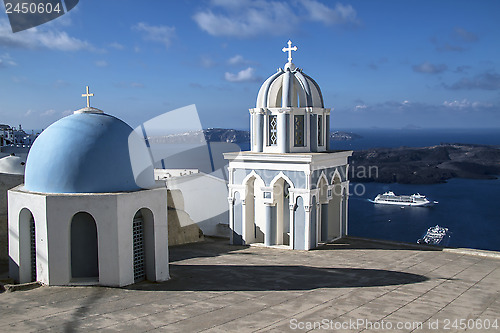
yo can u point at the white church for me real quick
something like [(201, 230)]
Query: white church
[(290, 190), (90, 212), (83, 215)]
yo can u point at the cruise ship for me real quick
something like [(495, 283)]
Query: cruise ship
[(389, 198)]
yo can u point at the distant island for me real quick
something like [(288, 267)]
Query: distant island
[(428, 165), (230, 136)]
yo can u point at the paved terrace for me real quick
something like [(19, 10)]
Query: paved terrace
[(219, 288)]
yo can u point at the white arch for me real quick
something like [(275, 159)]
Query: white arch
[(322, 176), (285, 177), (336, 174), (250, 175)]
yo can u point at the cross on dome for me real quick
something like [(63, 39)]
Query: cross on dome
[(289, 49), (88, 96)]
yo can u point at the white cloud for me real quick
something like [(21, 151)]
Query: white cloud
[(465, 104), (465, 35), (245, 75), (321, 13), (136, 85), (207, 62), (6, 60), (48, 113), (36, 38), (257, 19), (116, 46), (124, 84), (360, 107), (429, 68), (101, 63), (159, 33), (249, 18), (238, 60), (61, 84)]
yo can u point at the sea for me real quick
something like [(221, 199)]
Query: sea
[(469, 208)]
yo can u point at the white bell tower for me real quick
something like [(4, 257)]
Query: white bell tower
[(290, 190)]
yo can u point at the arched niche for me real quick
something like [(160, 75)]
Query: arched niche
[(84, 247)]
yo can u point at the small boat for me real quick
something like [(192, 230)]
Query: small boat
[(389, 198), (434, 236)]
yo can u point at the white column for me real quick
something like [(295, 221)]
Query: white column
[(291, 206), (259, 132), (307, 225), (268, 237), (231, 219), (282, 132)]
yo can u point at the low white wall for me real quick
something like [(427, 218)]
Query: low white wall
[(205, 200), (113, 214)]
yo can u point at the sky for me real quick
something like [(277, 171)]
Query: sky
[(387, 64)]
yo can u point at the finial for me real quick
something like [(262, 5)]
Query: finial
[(88, 96), (88, 109), (289, 49)]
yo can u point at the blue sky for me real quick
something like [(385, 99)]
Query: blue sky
[(433, 64)]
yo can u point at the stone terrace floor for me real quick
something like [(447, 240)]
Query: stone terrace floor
[(220, 288)]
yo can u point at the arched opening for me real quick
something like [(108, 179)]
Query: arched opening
[(252, 232), (323, 212), (334, 210), (27, 247), (143, 244), (84, 247), (281, 224)]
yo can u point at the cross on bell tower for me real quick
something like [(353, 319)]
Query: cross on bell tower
[(88, 95), (289, 49)]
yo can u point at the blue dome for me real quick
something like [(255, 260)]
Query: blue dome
[(82, 153)]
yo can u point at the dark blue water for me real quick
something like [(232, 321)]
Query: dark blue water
[(469, 208)]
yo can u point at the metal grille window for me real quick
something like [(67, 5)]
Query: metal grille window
[(298, 125), (273, 130), (139, 257), (33, 249), (320, 130)]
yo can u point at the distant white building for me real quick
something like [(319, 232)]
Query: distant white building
[(80, 217), (290, 189)]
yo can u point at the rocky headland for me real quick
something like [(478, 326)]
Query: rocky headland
[(428, 165)]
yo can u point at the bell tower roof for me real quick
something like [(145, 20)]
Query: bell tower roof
[(289, 87)]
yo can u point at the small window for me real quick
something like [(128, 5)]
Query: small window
[(298, 125), (320, 130), (273, 130)]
